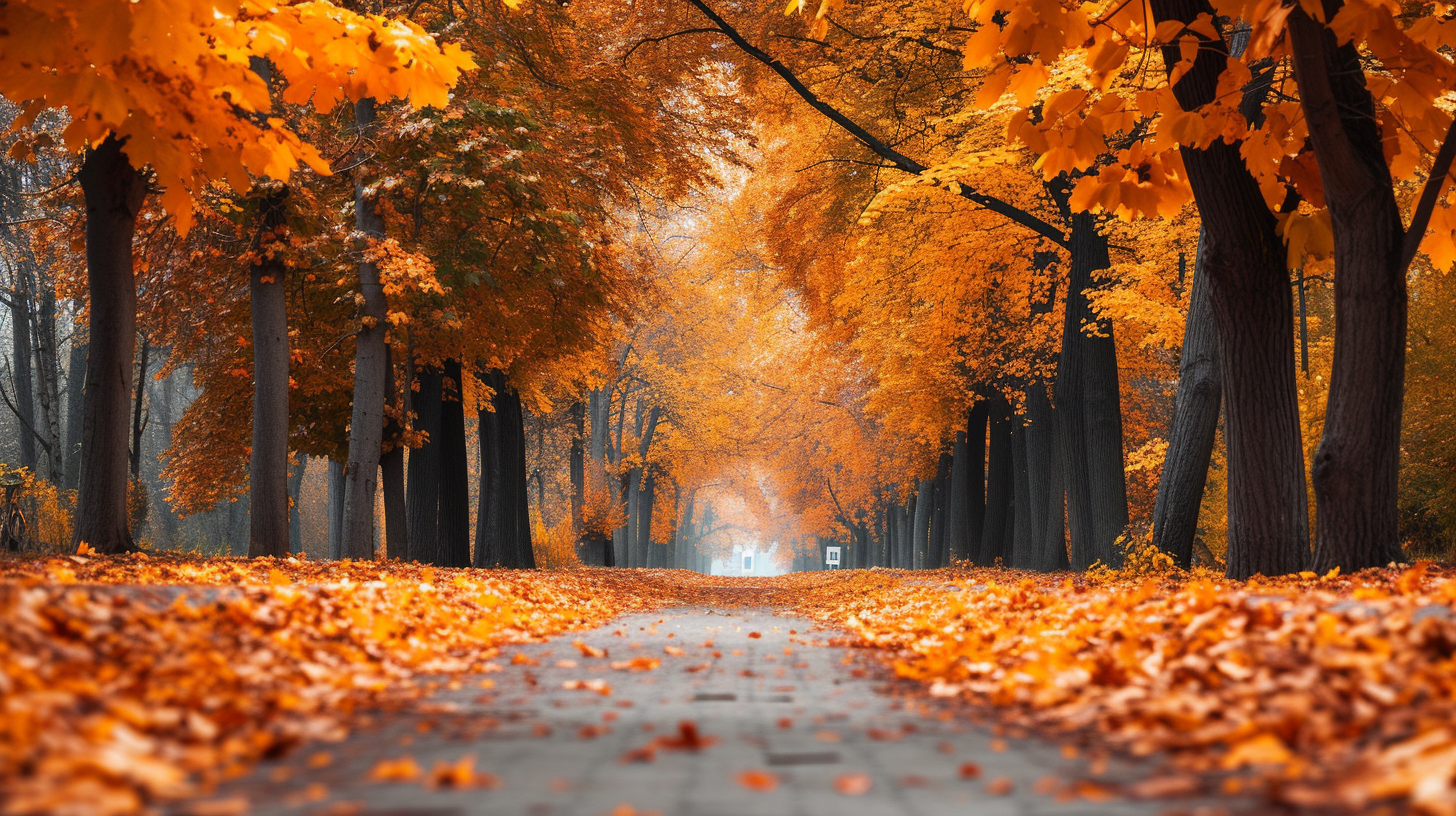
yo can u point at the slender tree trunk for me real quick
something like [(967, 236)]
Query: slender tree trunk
[(366, 428), (632, 488), (493, 547), (295, 518), (525, 553), (578, 468), (1249, 288), (1021, 551), (1044, 484), (268, 462), (114, 191), (1356, 469), (454, 530), (21, 295), (645, 498), (75, 403), (48, 380), (977, 420), (995, 541), (422, 490), (925, 500), (391, 469), (138, 405), (336, 509), (939, 557), (957, 502), (1194, 427)]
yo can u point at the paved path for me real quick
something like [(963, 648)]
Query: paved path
[(817, 723)]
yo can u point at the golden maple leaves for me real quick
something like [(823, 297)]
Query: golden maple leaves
[(175, 81)]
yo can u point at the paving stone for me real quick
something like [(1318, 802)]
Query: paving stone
[(781, 702)]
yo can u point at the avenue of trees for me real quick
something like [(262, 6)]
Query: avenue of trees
[(524, 283)]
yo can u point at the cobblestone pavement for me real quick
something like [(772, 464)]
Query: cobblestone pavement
[(790, 725)]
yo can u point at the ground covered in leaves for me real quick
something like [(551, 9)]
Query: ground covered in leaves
[(132, 680)]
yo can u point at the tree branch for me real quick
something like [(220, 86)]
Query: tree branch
[(899, 160), (1430, 194), (664, 38)]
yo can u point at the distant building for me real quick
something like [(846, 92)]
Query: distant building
[(748, 559)]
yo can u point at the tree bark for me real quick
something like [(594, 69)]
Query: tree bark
[(422, 489), (645, 499), (925, 499), (391, 468), (957, 502), (525, 553), (295, 518), (1044, 487), (578, 467), (977, 420), (938, 556), (48, 381), (336, 509), (366, 428), (21, 295), (1021, 547), (1356, 469), (1248, 283), (454, 525), (75, 403), (1194, 427), (268, 461), (1000, 490), (114, 191), (493, 547)]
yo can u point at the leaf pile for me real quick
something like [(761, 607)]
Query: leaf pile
[(129, 680), (1322, 692)]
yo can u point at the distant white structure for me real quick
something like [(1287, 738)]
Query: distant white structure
[(748, 559)]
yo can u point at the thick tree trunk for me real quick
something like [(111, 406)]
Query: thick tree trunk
[(1090, 412), (907, 534), (295, 518), (645, 497), (391, 468), (454, 530), (1043, 485), (268, 462), (1000, 491), (938, 556), (977, 420), (23, 378), (1194, 427), (422, 490), (1021, 550), (493, 527), (366, 427), (925, 500), (114, 191), (1356, 468), (1248, 283), (336, 509), (75, 403), (632, 488), (525, 553)]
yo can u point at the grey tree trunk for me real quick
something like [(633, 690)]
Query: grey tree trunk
[(938, 556), (645, 498), (1021, 552), (1044, 484), (295, 518), (977, 421), (925, 499), (422, 490), (525, 553), (75, 403), (578, 468), (453, 549), (336, 509), (366, 427), (1194, 427), (48, 391), (268, 462), (957, 504), (114, 191), (995, 538), (391, 469), (22, 383)]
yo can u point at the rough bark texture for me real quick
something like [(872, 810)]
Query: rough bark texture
[(114, 191), (1356, 468), (454, 530), (503, 526), (268, 462), (1000, 490), (1194, 427), (1268, 526), (422, 490), (366, 426), (391, 469)]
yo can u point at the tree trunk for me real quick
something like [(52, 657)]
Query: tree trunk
[(925, 499), (525, 554), (995, 538), (1248, 283), (20, 353), (1021, 550), (493, 547), (957, 502), (1356, 469), (336, 509), (645, 497), (578, 468), (1044, 485), (366, 427), (632, 487), (75, 403), (48, 380), (938, 556), (268, 462), (453, 549), (391, 468), (114, 191), (138, 404), (422, 490), (295, 518), (977, 420), (1194, 427)]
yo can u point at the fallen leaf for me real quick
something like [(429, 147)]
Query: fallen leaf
[(853, 784), (760, 781)]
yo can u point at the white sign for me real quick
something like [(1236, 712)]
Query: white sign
[(748, 562), (831, 556)]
